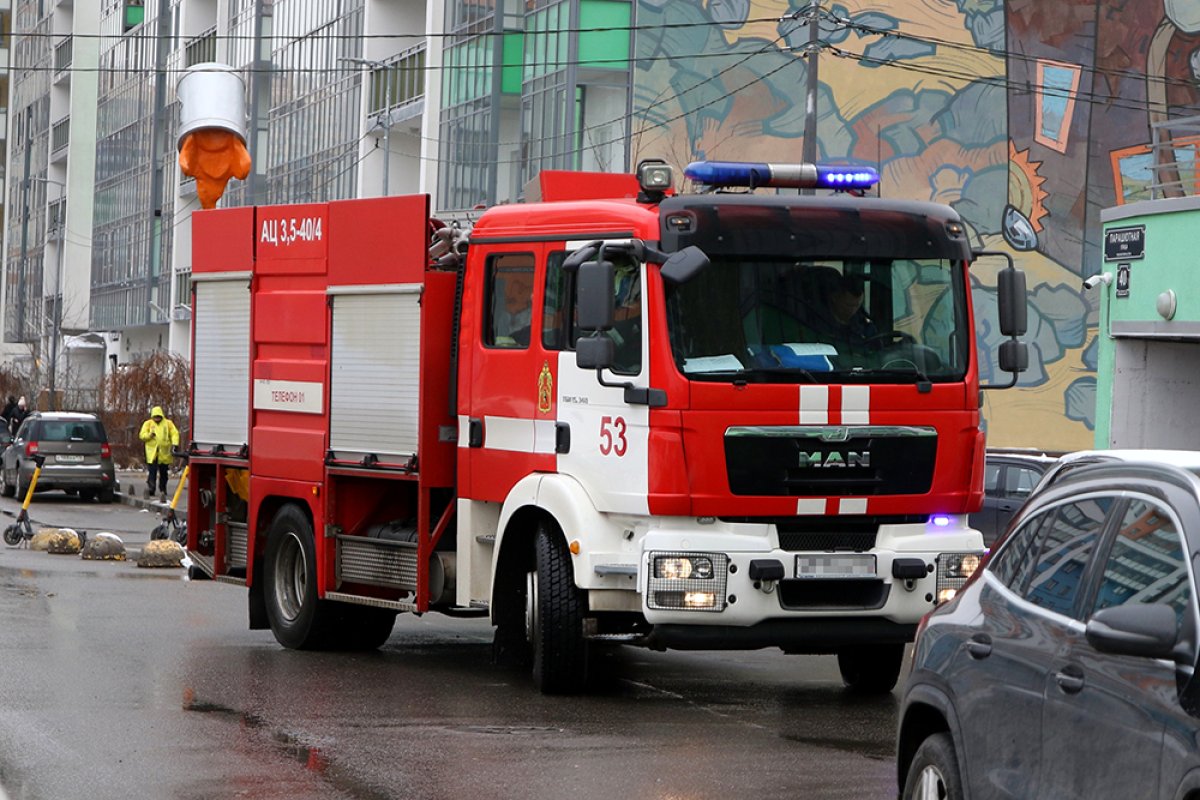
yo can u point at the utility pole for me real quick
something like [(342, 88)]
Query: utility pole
[(385, 118), (56, 334), (813, 14)]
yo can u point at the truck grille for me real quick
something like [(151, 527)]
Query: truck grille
[(810, 594), (830, 460)]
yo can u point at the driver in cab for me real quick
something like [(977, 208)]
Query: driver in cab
[(842, 317)]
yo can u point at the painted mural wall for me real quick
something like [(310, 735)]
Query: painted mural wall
[(1027, 117)]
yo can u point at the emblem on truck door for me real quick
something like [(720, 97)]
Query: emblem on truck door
[(545, 389)]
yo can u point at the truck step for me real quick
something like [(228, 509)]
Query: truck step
[(374, 602)]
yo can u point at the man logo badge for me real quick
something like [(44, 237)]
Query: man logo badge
[(850, 458)]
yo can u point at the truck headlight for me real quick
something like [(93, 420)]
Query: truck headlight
[(683, 567), (953, 569), (687, 581)]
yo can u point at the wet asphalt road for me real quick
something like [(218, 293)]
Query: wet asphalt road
[(121, 682)]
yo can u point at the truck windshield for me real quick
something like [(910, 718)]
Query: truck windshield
[(754, 319)]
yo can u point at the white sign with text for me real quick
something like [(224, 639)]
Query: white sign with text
[(304, 397)]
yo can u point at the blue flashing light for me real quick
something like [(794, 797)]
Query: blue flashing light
[(729, 173), (940, 520), (846, 177), (751, 175)]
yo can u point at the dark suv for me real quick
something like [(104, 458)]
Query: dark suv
[(1008, 480), (1065, 667), (75, 452)]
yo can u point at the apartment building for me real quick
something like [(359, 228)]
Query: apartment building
[(49, 169)]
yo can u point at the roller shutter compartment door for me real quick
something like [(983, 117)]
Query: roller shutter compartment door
[(222, 368), (375, 374)]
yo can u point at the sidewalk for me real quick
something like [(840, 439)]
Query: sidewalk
[(131, 491)]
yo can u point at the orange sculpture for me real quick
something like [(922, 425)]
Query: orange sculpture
[(212, 156)]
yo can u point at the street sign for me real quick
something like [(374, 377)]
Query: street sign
[(1124, 244)]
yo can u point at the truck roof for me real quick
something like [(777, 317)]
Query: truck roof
[(574, 219)]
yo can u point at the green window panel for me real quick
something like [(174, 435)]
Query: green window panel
[(605, 45)]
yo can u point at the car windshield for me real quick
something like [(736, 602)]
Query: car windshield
[(830, 320), (70, 430)]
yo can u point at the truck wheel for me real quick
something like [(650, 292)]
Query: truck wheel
[(871, 669), (365, 628), (298, 619), (555, 617), (933, 773)]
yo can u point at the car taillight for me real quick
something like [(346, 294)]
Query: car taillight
[(31, 448), (105, 450)]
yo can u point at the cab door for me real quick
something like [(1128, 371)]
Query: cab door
[(508, 427), (608, 436)]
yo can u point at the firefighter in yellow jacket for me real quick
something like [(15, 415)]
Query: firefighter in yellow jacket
[(161, 438)]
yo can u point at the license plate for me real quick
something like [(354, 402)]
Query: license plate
[(836, 565), (70, 459)]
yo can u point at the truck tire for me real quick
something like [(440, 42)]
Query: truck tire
[(556, 610), (934, 771), (871, 669), (364, 628), (299, 620)]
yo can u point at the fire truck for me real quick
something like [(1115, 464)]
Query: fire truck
[(731, 419)]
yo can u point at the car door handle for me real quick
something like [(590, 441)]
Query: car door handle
[(1069, 679), (979, 646)]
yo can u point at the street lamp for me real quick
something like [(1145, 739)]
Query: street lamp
[(58, 287), (387, 109)]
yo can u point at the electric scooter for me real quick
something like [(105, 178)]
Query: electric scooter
[(21, 530)]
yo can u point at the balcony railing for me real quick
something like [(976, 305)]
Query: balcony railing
[(60, 134), (201, 49), (401, 83), (63, 53)]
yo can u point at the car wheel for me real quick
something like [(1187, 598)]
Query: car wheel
[(299, 620), (933, 773), (554, 620), (7, 489), (107, 494), (871, 669)]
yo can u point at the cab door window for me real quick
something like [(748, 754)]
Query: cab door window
[(1146, 563), (508, 298), (559, 331)]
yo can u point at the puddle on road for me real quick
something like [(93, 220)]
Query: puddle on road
[(289, 745)]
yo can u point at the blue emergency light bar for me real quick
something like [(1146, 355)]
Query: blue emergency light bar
[(726, 174)]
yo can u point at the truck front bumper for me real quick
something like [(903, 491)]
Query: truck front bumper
[(742, 590)]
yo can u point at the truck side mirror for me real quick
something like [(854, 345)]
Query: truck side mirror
[(594, 295), (1014, 356), (595, 352), (1014, 319), (1010, 290), (684, 265)]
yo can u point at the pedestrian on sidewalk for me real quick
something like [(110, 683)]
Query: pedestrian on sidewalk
[(17, 416), (6, 415), (161, 438)]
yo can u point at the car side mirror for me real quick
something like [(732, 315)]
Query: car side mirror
[(1134, 629)]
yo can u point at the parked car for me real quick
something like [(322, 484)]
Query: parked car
[(77, 457), (1008, 479), (1065, 667)]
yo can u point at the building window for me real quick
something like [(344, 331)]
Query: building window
[(1057, 84)]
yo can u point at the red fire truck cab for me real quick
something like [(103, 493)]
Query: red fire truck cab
[(710, 421)]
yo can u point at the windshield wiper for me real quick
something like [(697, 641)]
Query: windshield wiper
[(924, 384), (782, 372)]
